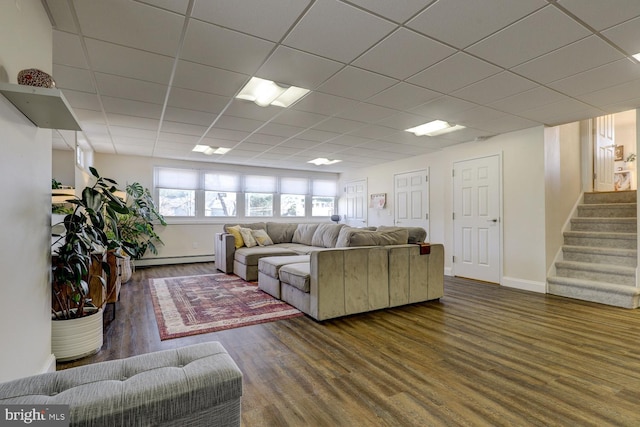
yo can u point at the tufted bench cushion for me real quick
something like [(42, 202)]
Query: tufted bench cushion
[(188, 386)]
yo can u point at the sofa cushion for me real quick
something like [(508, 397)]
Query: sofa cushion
[(296, 275), (249, 240), (326, 235), (281, 232), (271, 265), (261, 237), (250, 256), (302, 249), (304, 234), (358, 237), (416, 234)]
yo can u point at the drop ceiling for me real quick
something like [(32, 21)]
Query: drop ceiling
[(154, 78)]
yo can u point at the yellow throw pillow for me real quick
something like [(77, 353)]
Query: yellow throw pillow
[(249, 241), (235, 232), (262, 238)]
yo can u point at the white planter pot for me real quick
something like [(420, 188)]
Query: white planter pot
[(76, 338)]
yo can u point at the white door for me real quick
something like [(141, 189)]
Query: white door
[(604, 155), (476, 218), (356, 194), (412, 199)]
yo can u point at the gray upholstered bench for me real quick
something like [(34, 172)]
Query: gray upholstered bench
[(198, 385), (269, 271)]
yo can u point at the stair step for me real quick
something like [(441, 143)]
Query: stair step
[(613, 256), (607, 273), (608, 210), (601, 239), (623, 225), (594, 291), (611, 197)]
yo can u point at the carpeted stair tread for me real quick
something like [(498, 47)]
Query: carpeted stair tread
[(593, 284), (607, 224), (608, 210), (601, 268), (602, 234), (596, 250), (610, 197), (606, 273), (600, 255)]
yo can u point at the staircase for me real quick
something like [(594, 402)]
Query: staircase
[(600, 252)]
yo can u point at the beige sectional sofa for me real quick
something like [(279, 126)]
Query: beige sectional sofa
[(332, 270)]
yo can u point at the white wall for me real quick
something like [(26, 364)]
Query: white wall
[(523, 196), (563, 186), (63, 167), (25, 168)]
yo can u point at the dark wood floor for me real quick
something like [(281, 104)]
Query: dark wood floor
[(481, 356)]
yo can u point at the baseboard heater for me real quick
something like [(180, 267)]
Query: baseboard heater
[(147, 262)]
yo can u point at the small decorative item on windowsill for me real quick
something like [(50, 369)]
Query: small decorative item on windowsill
[(335, 218), (35, 77)]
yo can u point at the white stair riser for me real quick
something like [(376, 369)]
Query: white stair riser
[(615, 197), (626, 261), (618, 279), (601, 242), (604, 225), (607, 211)]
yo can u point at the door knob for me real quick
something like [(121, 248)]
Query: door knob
[(493, 220)]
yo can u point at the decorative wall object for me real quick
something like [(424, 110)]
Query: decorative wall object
[(378, 201), (35, 77), (619, 152)]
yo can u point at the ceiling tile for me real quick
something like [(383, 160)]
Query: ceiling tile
[(130, 24), (88, 117), (132, 108), (178, 6), (367, 113), (203, 78), (402, 121), (211, 45), (129, 132), (73, 78), (317, 135), (403, 96), (442, 107), (339, 125), (598, 78), (262, 138), (277, 129), (293, 67), (183, 128), (626, 35), (122, 87), (602, 14), (403, 54), (515, 44), (449, 20), (493, 88), (454, 73), (84, 100), (227, 134), (124, 120), (301, 119), (194, 100), (62, 16), (372, 131), (614, 94), (193, 117), (536, 97), (397, 10), (322, 103), (560, 112), (577, 57), (356, 84), (238, 123), (338, 31), (67, 50), (269, 19)]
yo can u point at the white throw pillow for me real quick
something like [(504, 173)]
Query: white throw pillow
[(261, 237), (249, 241)]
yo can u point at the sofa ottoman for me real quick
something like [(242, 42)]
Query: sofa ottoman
[(269, 272), (295, 282), (195, 385)]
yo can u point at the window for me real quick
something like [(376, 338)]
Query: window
[(210, 194), (324, 197), (176, 191), (220, 191), (293, 196), (259, 190)]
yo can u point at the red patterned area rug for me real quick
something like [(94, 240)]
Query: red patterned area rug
[(194, 305)]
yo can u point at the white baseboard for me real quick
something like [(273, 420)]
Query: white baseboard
[(525, 285), (49, 365), (448, 271), (174, 260)]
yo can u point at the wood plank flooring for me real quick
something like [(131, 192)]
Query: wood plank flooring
[(482, 355)]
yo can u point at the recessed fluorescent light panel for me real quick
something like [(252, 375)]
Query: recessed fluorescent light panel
[(265, 92), (636, 56), (321, 161), (434, 128), (205, 149)]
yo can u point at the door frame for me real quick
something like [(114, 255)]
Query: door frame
[(499, 155)]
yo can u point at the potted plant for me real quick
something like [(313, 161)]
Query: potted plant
[(136, 227), (75, 250)]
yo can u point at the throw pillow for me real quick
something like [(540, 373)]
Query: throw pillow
[(261, 237), (416, 234), (235, 232), (326, 235), (249, 241), (304, 234)]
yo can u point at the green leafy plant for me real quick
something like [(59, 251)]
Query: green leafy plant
[(631, 158), (136, 228), (84, 234)]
